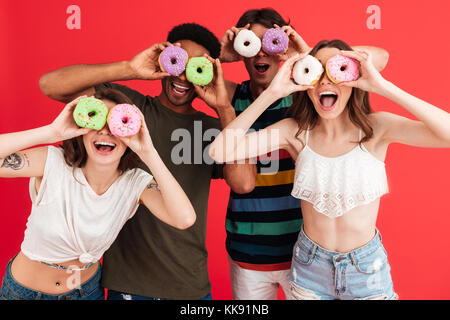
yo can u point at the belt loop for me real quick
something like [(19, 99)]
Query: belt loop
[(313, 252), (379, 235), (352, 257)]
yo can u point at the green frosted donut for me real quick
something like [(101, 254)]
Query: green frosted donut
[(90, 113), (199, 70)]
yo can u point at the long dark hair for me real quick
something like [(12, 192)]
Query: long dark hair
[(303, 111), (75, 153)]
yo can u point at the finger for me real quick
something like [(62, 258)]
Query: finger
[(276, 26), (83, 131), (161, 75), (230, 35), (247, 26), (208, 57), (200, 91), (365, 53), (235, 30), (348, 84), (354, 55)]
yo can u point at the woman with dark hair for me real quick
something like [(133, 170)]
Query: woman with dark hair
[(82, 194), (339, 146)]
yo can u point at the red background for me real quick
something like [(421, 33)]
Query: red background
[(414, 217)]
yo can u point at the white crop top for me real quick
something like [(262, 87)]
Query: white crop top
[(335, 185), (69, 220)]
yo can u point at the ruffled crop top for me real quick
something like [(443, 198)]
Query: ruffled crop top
[(335, 185)]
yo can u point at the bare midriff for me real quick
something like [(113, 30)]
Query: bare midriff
[(348, 232), (40, 277)]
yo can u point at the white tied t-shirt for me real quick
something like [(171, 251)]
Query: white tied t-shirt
[(69, 220)]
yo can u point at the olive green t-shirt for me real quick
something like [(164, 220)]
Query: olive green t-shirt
[(149, 257)]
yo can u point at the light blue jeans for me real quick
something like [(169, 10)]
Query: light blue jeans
[(363, 273)]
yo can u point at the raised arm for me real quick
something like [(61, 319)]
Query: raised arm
[(234, 143), (67, 83), (164, 197), (433, 126), (31, 162)]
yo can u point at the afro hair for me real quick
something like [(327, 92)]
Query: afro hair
[(197, 34)]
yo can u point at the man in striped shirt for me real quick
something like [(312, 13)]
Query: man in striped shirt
[(263, 219)]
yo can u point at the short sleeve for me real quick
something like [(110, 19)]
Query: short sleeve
[(136, 97), (139, 180), (53, 173)]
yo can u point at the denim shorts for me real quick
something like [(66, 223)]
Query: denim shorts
[(363, 273), (89, 290)]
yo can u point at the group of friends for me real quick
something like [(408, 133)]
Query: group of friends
[(309, 226)]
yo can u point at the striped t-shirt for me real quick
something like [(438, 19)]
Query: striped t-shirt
[(262, 226)]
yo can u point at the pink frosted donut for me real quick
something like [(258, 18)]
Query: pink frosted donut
[(124, 120), (275, 41), (173, 60), (341, 69)]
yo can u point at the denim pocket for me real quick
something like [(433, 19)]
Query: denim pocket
[(371, 263), (303, 255)]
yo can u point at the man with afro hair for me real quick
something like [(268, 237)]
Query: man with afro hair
[(150, 259)]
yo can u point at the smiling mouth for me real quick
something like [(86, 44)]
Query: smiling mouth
[(178, 89), (104, 147), (262, 67), (328, 100)]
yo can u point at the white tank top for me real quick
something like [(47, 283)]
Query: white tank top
[(69, 221), (335, 185)]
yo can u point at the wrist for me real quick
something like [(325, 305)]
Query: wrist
[(52, 134), (382, 86), (128, 71)]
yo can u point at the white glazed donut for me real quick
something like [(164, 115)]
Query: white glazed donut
[(307, 71), (247, 43)]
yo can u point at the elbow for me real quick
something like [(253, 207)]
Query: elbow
[(384, 59), (243, 187), (44, 85), (187, 222), (213, 155)]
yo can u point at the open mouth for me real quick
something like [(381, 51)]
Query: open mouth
[(178, 89), (261, 68), (104, 147), (328, 100)]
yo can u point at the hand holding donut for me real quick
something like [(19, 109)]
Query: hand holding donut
[(282, 85), (64, 126), (215, 93), (227, 52), (370, 79), (141, 143), (145, 65), (296, 43)]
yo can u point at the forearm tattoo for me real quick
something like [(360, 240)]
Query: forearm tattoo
[(15, 161), (153, 185)]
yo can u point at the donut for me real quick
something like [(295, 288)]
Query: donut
[(307, 71), (90, 113), (275, 41), (341, 68), (173, 60), (199, 71), (124, 120), (247, 44)]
